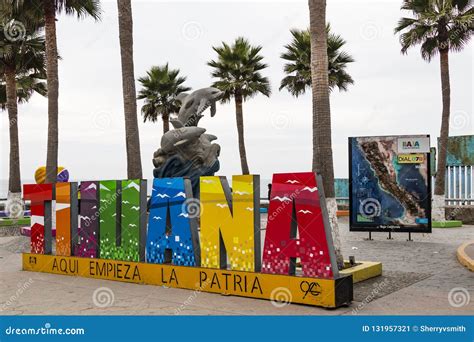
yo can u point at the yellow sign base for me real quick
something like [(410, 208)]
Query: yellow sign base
[(328, 293)]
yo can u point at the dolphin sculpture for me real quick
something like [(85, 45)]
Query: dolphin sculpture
[(194, 104), (187, 150), (172, 140)]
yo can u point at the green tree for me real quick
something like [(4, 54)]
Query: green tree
[(22, 67), (322, 144), (298, 68), (161, 87), (440, 27), (27, 84), (237, 69), (132, 137)]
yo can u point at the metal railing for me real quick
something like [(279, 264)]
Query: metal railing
[(459, 185)]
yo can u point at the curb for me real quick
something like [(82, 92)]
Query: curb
[(463, 258), (363, 271), (341, 213)]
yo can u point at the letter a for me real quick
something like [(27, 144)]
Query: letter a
[(298, 227)]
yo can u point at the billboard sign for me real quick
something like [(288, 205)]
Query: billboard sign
[(389, 184)]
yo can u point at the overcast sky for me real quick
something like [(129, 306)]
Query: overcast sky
[(392, 94)]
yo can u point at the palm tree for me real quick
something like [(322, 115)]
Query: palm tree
[(237, 69), (80, 8), (22, 58), (134, 163), (439, 26), (322, 144), (298, 68), (161, 87), (26, 85)]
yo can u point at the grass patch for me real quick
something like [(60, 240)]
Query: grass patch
[(446, 224), (6, 222)]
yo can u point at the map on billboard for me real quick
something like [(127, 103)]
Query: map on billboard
[(389, 183)]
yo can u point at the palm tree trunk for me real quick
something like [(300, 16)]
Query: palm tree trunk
[(166, 122), (14, 205), (322, 144), (134, 164), (14, 182), (438, 213), (240, 131), (53, 90)]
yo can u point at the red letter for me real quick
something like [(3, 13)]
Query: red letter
[(40, 196), (298, 227)]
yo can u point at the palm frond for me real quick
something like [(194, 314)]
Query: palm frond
[(237, 70), (80, 8), (160, 89), (436, 25), (22, 49), (298, 68)]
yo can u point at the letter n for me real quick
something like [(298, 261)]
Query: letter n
[(298, 227), (230, 228)]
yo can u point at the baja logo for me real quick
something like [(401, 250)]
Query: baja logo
[(411, 145)]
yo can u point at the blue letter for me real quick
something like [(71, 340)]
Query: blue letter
[(172, 228)]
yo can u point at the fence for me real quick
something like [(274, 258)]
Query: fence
[(459, 188)]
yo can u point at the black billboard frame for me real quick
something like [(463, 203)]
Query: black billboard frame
[(363, 227)]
